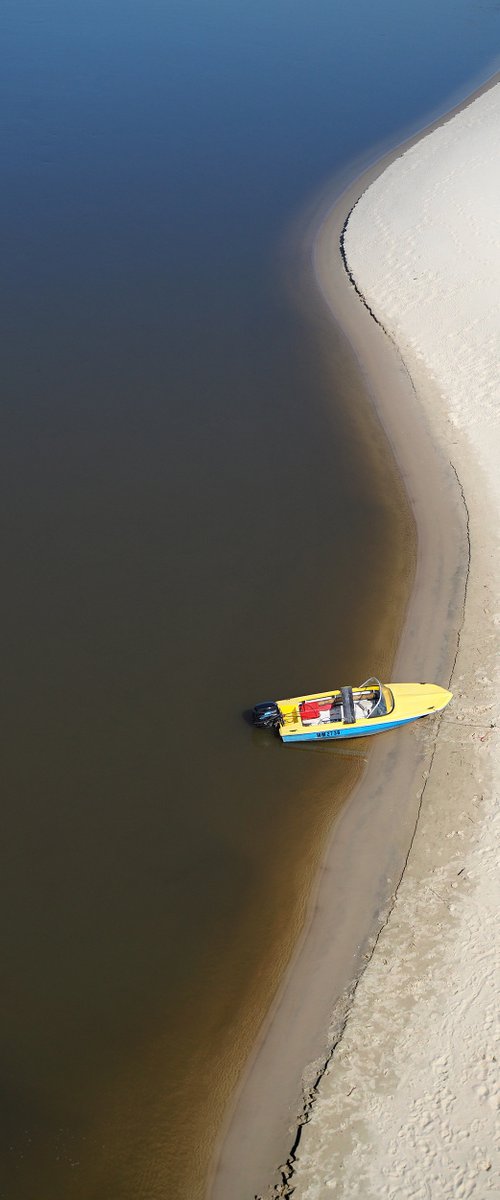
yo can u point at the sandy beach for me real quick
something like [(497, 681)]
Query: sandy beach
[(410, 874), (408, 1104)]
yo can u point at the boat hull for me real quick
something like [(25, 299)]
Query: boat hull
[(346, 732), (406, 702)]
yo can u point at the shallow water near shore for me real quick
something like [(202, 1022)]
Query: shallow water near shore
[(195, 498)]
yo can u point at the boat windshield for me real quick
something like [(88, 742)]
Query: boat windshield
[(372, 699)]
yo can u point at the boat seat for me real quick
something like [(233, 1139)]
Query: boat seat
[(348, 706)]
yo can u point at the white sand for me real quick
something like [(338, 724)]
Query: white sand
[(408, 1106)]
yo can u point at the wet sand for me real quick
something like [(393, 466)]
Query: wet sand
[(370, 842)]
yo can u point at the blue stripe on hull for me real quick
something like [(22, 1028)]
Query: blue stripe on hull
[(346, 732)]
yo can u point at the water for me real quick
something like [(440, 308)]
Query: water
[(181, 537)]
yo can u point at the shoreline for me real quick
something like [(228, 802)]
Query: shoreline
[(408, 1104), (356, 890)]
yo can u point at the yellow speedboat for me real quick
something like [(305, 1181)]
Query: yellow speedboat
[(350, 712)]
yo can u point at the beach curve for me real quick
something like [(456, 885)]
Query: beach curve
[(329, 961), (407, 1106)]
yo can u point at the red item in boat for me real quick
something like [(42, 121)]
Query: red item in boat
[(310, 709)]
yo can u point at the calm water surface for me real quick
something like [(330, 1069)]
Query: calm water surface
[(181, 536)]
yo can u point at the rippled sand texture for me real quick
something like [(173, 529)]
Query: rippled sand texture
[(408, 1105)]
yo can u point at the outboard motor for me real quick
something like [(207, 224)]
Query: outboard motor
[(266, 715)]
